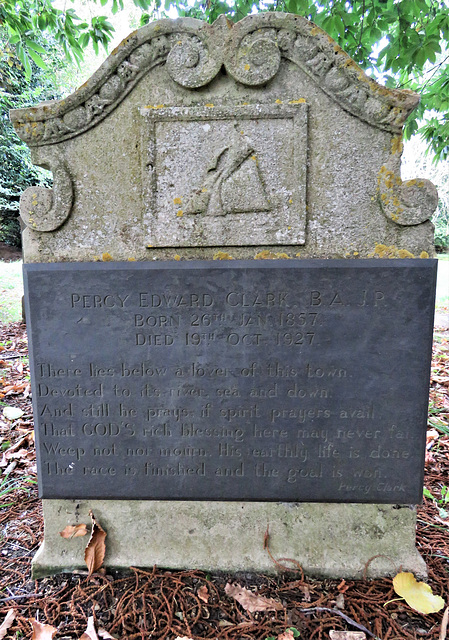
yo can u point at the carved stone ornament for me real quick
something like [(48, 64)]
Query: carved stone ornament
[(194, 51), (405, 203), (47, 209), (247, 175)]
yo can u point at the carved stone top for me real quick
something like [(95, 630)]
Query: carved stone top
[(194, 52)]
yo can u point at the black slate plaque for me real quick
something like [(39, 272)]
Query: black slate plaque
[(286, 380)]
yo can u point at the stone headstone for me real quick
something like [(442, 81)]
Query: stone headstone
[(258, 140)]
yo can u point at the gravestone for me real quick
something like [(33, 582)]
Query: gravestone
[(224, 286)]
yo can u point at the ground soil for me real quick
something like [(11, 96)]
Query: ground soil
[(163, 604), (9, 253)]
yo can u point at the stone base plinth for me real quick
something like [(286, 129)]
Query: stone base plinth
[(327, 540)]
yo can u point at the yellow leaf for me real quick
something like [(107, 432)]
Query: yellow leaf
[(417, 594)]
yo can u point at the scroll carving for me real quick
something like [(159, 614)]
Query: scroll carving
[(405, 203), (190, 64), (194, 52), (47, 209)]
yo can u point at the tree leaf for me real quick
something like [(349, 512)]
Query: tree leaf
[(249, 600), (42, 631), (105, 635), (203, 594), (90, 633), (417, 594), (73, 531), (7, 622), (37, 59), (96, 548), (12, 413)]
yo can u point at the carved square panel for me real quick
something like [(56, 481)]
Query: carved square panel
[(223, 176)]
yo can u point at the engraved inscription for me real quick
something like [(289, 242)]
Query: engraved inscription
[(231, 381)]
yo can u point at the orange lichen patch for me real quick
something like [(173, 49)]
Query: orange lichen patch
[(106, 257), (403, 253), (154, 106), (391, 251), (396, 145), (131, 260), (222, 255), (424, 255), (247, 67), (315, 31), (278, 101), (300, 101), (177, 257), (177, 200), (180, 213), (209, 104), (270, 255)]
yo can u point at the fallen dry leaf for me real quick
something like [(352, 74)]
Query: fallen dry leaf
[(42, 631), (105, 635), (90, 633), (287, 635), (347, 635), (7, 622), (443, 630), (96, 548), (249, 600), (12, 413), (203, 594), (417, 594), (73, 531), (340, 601)]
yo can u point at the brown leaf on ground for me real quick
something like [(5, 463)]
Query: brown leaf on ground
[(42, 631), (287, 635), (249, 600), (96, 548), (443, 630), (90, 633), (73, 531), (7, 622), (105, 635), (203, 594), (347, 635)]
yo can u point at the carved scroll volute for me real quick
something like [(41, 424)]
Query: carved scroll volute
[(47, 209), (405, 203), (255, 59), (192, 61)]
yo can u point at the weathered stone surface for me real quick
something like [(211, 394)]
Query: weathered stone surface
[(229, 102), (328, 540), (261, 139)]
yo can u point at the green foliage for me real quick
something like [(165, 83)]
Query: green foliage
[(16, 170), (413, 36), (23, 22), (405, 43)]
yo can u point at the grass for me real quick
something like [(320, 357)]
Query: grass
[(11, 288), (11, 291)]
